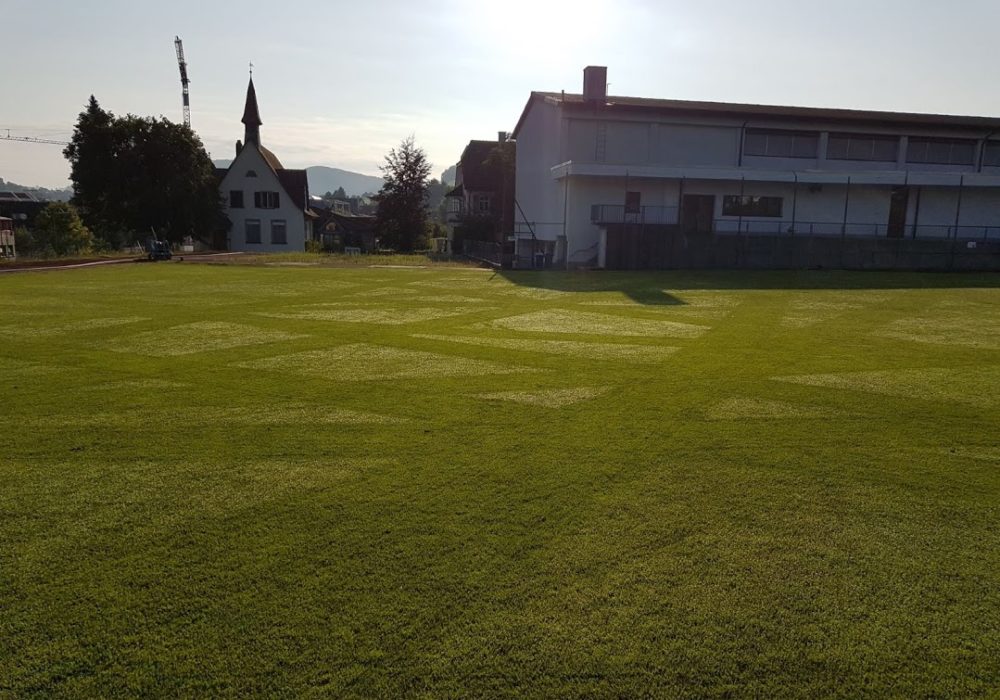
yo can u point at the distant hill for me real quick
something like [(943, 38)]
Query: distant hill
[(43, 193), (323, 179), (448, 176)]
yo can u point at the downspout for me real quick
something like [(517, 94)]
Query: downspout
[(743, 136), (795, 200), (982, 150)]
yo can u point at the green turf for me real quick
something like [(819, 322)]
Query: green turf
[(451, 483)]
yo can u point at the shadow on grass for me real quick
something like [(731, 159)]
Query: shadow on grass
[(653, 288)]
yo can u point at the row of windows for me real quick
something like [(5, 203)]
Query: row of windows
[(261, 200), (741, 205), (884, 149), (279, 231)]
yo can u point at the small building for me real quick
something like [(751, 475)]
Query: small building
[(267, 204), (630, 182), (7, 246)]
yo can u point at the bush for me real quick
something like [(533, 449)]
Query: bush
[(24, 241), (59, 231), (314, 247)]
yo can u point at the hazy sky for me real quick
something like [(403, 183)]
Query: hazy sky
[(342, 82)]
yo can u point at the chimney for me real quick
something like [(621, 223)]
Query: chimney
[(595, 84), (239, 146), (502, 136)]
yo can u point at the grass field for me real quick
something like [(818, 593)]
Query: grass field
[(452, 483)]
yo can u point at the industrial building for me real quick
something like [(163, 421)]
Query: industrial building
[(626, 182)]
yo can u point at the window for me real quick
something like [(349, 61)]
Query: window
[(266, 200), (279, 232), (251, 173), (991, 154), (633, 202), (781, 144), (734, 205), (253, 230), (881, 149), (482, 204), (236, 199), (941, 151)]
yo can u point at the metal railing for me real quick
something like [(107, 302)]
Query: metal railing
[(484, 251), (620, 214)]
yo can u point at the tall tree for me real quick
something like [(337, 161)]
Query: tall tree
[(402, 202), (131, 174)]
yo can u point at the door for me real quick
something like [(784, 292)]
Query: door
[(698, 213), (898, 204)]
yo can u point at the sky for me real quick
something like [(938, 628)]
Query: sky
[(340, 83)]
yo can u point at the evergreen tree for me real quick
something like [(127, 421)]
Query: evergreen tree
[(133, 174), (402, 202)]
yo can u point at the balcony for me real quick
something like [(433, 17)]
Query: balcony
[(603, 214)]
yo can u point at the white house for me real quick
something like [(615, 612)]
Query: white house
[(633, 182), (267, 204)]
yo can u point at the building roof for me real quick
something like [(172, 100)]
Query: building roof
[(296, 184), (251, 113), (271, 159), (477, 174), (660, 107)]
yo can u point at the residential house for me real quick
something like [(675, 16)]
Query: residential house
[(480, 207), (267, 203), (631, 182)]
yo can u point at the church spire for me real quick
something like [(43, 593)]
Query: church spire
[(251, 116)]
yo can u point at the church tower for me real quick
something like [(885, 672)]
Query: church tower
[(251, 117)]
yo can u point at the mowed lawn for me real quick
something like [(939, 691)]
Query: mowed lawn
[(453, 483)]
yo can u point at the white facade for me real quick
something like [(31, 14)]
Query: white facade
[(820, 172), (250, 174), (267, 205)]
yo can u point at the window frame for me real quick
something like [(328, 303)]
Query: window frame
[(994, 147), (246, 231), (747, 205), (927, 159), (795, 135), (284, 232), (266, 199), (852, 139)]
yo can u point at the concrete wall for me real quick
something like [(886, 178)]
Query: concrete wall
[(539, 147), (266, 181)]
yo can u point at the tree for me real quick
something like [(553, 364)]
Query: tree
[(58, 230), (402, 215), (132, 174), (339, 193)]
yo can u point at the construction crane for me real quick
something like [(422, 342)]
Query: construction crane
[(31, 139), (182, 64)]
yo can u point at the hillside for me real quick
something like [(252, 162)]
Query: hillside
[(323, 179), (43, 193)]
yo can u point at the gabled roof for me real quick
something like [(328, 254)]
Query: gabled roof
[(296, 184), (271, 159), (658, 107)]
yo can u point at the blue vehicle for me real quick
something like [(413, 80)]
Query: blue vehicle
[(158, 250)]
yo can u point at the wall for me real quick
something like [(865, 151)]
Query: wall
[(538, 194), (266, 181)]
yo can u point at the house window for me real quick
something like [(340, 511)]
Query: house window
[(455, 205), (266, 200), (253, 230), (482, 204), (279, 232), (781, 144), (991, 154), (881, 149), (736, 205), (236, 199), (941, 151), (251, 173)]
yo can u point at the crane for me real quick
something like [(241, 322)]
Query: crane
[(30, 139), (182, 64)]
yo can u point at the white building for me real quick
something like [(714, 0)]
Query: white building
[(267, 204), (634, 182)]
